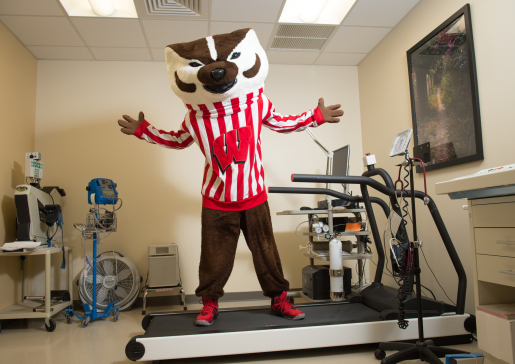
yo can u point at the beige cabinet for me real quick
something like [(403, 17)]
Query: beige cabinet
[(492, 232), (491, 209)]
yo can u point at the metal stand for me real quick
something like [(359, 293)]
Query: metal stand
[(90, 312), (147, 290), (422, 349)]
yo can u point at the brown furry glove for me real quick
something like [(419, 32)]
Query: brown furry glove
[(329, 112), (129, 125)]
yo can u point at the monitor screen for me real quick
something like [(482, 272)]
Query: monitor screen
[(341, 164)]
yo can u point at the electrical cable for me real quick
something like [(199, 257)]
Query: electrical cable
[(434, 297), (303, 222), (435, 277)]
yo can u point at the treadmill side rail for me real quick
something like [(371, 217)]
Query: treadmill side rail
[(306, 337)]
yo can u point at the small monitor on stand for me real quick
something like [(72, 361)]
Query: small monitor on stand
[(338, 165), (341, 164)]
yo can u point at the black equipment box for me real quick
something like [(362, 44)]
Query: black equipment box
[(316, 284), (334, 203)]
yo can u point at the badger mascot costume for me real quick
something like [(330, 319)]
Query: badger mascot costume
[(220, 79)]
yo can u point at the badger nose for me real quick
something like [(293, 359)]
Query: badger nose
[(218, 73)]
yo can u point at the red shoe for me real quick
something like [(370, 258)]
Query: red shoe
[(208, 313), (282, 307)]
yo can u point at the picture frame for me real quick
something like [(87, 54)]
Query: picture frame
[(444, 94)]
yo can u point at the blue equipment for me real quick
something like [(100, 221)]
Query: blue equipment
[(99, 220), (104, 190)]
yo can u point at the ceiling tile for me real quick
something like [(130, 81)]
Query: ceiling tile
[(110, 32), (340, 59), (379, 13), (31, 7), (356, 39), (121, 54), (263, 31), (35, 30), (279, 57), (73, 53), (158, 54), (161, 33), (246, 10)]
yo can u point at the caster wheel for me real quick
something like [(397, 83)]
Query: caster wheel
[(291, 299), (84, 323), (69, 319), (185, 309), (52, 325), (379, 354), (115, 317)]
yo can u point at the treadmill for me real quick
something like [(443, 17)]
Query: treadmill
[(368, 317)]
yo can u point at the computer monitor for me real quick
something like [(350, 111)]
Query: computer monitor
[(341, 164)]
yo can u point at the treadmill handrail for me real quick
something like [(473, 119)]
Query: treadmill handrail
[(444, 234)]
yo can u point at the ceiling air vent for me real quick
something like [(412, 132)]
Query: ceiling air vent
[(301, 37), (173, 7)]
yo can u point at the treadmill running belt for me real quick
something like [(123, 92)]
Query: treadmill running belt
[(260, 319)]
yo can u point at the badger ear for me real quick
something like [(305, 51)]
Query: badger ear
[(168, 54)]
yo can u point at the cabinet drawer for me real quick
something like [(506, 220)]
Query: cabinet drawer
[(495, 336), (494, 215), (495, 241), (499, 270)]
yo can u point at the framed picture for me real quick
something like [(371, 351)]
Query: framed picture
[(444, 97)]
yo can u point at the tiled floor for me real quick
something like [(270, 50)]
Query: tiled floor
[(26, 341)]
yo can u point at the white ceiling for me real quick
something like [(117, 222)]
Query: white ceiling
[(49, 33)]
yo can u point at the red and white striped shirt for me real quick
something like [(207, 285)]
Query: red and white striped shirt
[(229, 135)]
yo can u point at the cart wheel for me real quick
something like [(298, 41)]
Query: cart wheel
[(69, 319), (115, 317), (52, 325), (379, 354), (84, 323)]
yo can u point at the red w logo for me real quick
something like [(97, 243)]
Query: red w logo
[(232, 147)]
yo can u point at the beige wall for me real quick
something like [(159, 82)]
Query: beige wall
[(385, 111), (18, 74), (77, 108)]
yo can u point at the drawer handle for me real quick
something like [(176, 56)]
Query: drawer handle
[(507, 272), (505, 242)]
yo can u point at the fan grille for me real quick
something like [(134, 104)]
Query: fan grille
[(301, 37), (115, 281)]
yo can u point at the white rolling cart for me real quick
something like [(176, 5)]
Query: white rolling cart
[(27, 309)]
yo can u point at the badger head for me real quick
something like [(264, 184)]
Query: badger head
[(217, 68)]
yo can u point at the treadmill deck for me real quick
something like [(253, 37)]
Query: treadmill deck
[(260, 319)]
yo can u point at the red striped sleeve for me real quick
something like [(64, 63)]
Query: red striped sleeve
[(168, 139)]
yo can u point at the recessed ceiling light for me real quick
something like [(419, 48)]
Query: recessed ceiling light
[(315, 11), (104, 8)]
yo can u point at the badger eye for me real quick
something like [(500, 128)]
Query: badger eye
[(235, 55), (195, 64)]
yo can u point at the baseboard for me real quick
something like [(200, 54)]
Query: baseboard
[(175, 299)]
